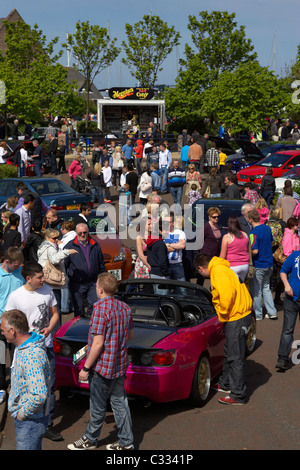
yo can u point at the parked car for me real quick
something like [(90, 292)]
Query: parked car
[(178, 345), (280, 162), (54, 192), (293, 174), (117, 257)]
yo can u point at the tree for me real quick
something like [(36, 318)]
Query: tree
[(220, 44), (34, 81), (149, 42), (185, 100), (93, 51), (244, 97)]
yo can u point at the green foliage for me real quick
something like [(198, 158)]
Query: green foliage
[(8, 171), (220, 44), (34, 80), (148, 44), (93, 51), (244, 97)]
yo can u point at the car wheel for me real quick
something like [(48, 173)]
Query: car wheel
[(201, 382), (251, 339)]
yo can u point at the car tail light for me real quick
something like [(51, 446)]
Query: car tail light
[(62, 349), (57, 208), (56, 346), (151, 357)]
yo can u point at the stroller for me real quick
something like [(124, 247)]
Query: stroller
[(82, 185)]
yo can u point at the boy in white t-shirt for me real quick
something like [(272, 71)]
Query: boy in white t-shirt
[(37, 301), (175, 241)]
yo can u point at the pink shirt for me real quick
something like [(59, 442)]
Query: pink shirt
[(238, 251), (290, 242)]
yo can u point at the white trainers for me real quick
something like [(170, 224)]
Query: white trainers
[(2, 396), (82, 444), (116, 446)]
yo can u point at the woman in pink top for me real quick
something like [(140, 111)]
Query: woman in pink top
[(75, 169), (290, 241), (235, 248)]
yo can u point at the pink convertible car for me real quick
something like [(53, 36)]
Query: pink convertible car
[(177, 350)]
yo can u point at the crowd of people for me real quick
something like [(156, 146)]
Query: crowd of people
[(50, 267)]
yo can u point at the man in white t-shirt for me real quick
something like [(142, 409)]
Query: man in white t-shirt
[(37, 301), (175, 241)]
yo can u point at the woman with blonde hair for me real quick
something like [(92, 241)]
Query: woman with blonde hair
[(192, 176), (5, 219), (97, 182), (263, 210), (49, 249)]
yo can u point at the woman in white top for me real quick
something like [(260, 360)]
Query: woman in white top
[(3, 152), (107, 174), (49, 249), (145, 184), (24, 159)]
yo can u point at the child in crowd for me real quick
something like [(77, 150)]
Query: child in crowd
[(11, 236), (222, 158), (124, 205), (194, 194), (107, 174), (156, 176)]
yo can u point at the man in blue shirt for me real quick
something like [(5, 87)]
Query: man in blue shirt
[(290, 276), (261, 244), (10, 280), (127, 150)]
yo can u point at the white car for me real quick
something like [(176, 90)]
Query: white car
[(293, 174)]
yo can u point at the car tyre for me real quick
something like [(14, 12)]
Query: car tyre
[(201, 382), (251, 339)]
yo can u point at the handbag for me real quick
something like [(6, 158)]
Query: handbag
[(53, 275), (120, 163), (278, 255)]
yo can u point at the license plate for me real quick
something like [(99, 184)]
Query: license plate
[(74, 206), (117, 273)]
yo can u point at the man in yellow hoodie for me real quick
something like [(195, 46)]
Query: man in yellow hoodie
[(232, 303)]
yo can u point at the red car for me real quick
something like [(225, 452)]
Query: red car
[(280, 162)]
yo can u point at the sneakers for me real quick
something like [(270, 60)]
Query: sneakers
[(218, 388), (229, 401), (82, 444), (53, 435), (281, 365), (116, 446), (271, 317), (2, 396)]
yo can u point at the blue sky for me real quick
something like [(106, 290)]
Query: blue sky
[(263, 20)]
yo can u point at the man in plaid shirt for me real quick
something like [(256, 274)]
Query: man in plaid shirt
[(111, 326)]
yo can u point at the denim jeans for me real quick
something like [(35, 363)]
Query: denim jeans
[(51, 359), (177, 194), (29, 433), (233, 373), (268, 196), (102, 389), (176, 271), (164, 171), (97, 192), (291, 310), (260, 290)]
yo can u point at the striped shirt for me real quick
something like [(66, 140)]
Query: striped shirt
[(111, 318)]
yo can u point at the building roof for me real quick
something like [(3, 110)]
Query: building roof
[(13, 17), (75, 75)]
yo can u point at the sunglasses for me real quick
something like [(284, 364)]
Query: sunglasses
[(214, 216), (54, 238), (81, 233)]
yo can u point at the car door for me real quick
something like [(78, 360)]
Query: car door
[(292, 162), (3, 191)]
